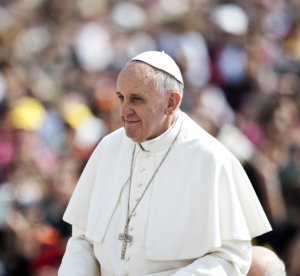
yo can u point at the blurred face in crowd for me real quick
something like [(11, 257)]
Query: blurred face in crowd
[(283, 118), (145, 112)]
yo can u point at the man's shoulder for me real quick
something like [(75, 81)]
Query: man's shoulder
[(115, 137), (114, 140), (201, 142)]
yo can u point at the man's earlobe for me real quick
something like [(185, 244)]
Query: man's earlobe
[(169, 112)]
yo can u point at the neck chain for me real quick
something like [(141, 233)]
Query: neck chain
[(125, 237)]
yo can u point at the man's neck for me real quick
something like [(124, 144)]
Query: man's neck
[(169, 121), (163, 140), (172, 119)]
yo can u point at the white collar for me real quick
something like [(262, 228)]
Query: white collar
[(164, 140)]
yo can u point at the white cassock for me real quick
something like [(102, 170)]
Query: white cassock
[(197, 217)]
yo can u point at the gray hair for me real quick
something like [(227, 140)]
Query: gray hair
[(275, 268), (163, 82)]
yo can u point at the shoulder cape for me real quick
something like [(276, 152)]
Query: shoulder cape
[(201, 196)]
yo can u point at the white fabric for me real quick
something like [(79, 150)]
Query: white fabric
[(199, 202), (164, 273), (161, 61), (108, 252), (79, 257), (233, 258)]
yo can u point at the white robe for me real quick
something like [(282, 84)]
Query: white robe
[(199, 213)]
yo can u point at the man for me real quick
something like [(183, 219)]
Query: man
[(265, 263), (160, 196)]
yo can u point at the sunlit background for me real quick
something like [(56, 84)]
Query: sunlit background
[(59, 61)]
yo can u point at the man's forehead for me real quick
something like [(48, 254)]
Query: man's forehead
[(137, 70), (137, 80)]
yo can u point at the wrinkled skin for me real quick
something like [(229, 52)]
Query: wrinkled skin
[(145, 112)]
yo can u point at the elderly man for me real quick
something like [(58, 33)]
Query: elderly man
[(160, 196)]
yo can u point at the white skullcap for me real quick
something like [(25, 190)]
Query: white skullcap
[(161, 61)]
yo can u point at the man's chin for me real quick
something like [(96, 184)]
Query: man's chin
[(133, 136)]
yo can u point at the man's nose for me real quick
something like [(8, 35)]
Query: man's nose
[(126, 110)]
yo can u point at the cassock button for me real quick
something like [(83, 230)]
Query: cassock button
[(125, 273), (140, 184), (126, 259), (130, 229), (146, 155), (142, 169), (137, 199), (133, 214)]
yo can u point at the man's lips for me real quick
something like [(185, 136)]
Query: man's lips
[(131, 122)]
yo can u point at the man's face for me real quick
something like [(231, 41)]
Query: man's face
[(142, 107)]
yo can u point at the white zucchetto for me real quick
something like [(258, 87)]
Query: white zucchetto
[(161, 61)]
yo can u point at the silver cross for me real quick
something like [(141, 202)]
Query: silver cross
[(126, 239)]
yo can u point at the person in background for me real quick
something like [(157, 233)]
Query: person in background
[(265, 263)]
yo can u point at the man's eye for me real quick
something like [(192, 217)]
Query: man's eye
[(121, 97), (136, 98)]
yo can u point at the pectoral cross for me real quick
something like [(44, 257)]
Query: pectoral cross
[(125, 238)]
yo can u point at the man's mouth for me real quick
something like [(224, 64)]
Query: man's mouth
[(131, 121)]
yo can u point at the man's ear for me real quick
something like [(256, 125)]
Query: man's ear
[(173, 102)]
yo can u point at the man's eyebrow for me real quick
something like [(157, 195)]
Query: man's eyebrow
[(136, 95), (131, 95)]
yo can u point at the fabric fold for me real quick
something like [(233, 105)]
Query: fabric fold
[(200, 184)]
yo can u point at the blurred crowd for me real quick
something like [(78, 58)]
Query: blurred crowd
[(59, 62)]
